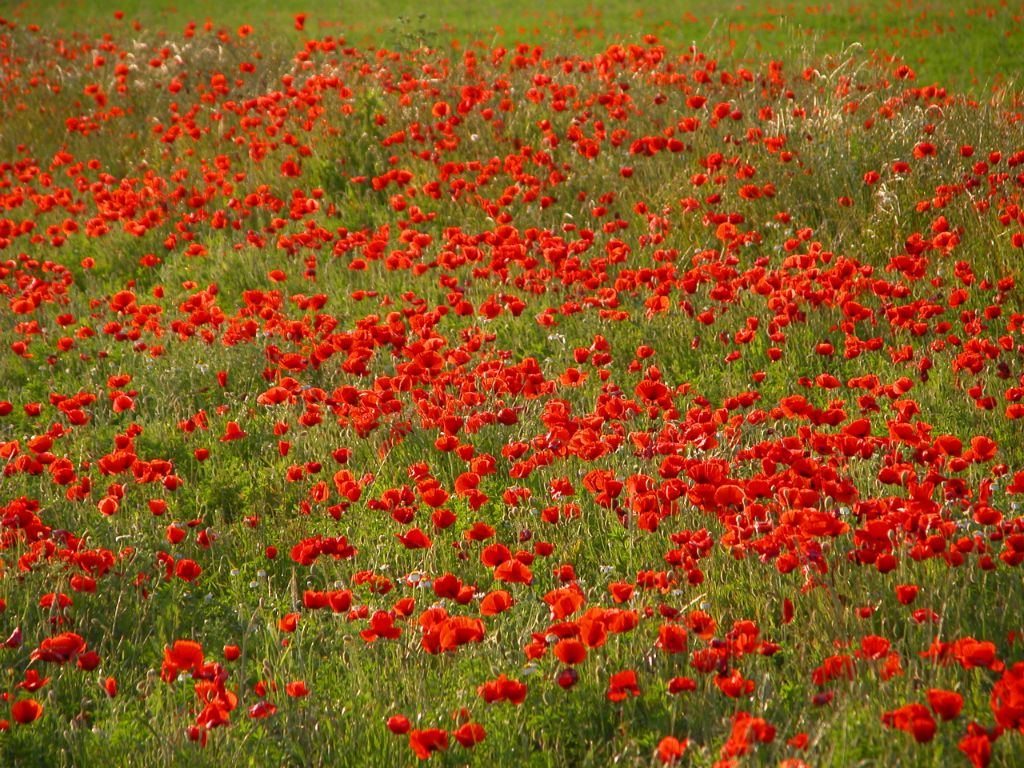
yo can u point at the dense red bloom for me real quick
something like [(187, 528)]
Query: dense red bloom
[(621, 591), (945, 704), (469, 734), (262, 709), (32, 681), (672, 638), (496, 602), (570, 651), (681, 685), (503, 282), (187, 570), (450, 632), (567, 678), (874, 647), (88, 661), (494, 555), (183, 656), (26, 711), (233, 432), (621, 685), (59, 648), (479, 532), (424, 743), (503, 689), (977, 745), (414, 538), (915, 719), (746, 731), (382, 624), (1007, 699), (701, 624), (971, 653), (399, 724), (513, 571), (906, 593), (670, 749), (564, 602), (734, 684), (832, 668)]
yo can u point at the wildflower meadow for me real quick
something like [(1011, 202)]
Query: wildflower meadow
[(534, 384)]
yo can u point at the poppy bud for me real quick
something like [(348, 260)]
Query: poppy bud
[(567, 678), (399, 724)]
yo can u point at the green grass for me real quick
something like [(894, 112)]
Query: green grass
[(957, 44)]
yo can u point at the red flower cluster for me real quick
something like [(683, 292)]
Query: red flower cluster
[(516, 355)]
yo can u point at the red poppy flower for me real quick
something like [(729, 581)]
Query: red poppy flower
[(945, 704), (495, 602), (513, 571), (672, 638), (14, 640), (414, 538), (233, 432), (734, 684), (670, 749), (382, 624), (187, 570), (469, 734), (32, 681), (681, 685), (442, 518), (567, 678), (1007, 698), (183, 656), (621, 592), (564, 602), (399, 724), (26, 711), (424, 743), (906, 593), (874, 647), (915, 719), (262, 709), (60, 648), (88, 661), (494, 555), (977, 746), (479, 532), (570, 651), (621, 685), (503, 689)]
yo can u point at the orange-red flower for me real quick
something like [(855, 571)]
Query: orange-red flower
[(671, 749), (914, 718), (503, 689), (183, 656), (26, 711), (425, 742), (59, 648), (621, 685)]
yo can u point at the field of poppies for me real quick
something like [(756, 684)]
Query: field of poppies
[(606, 393)]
